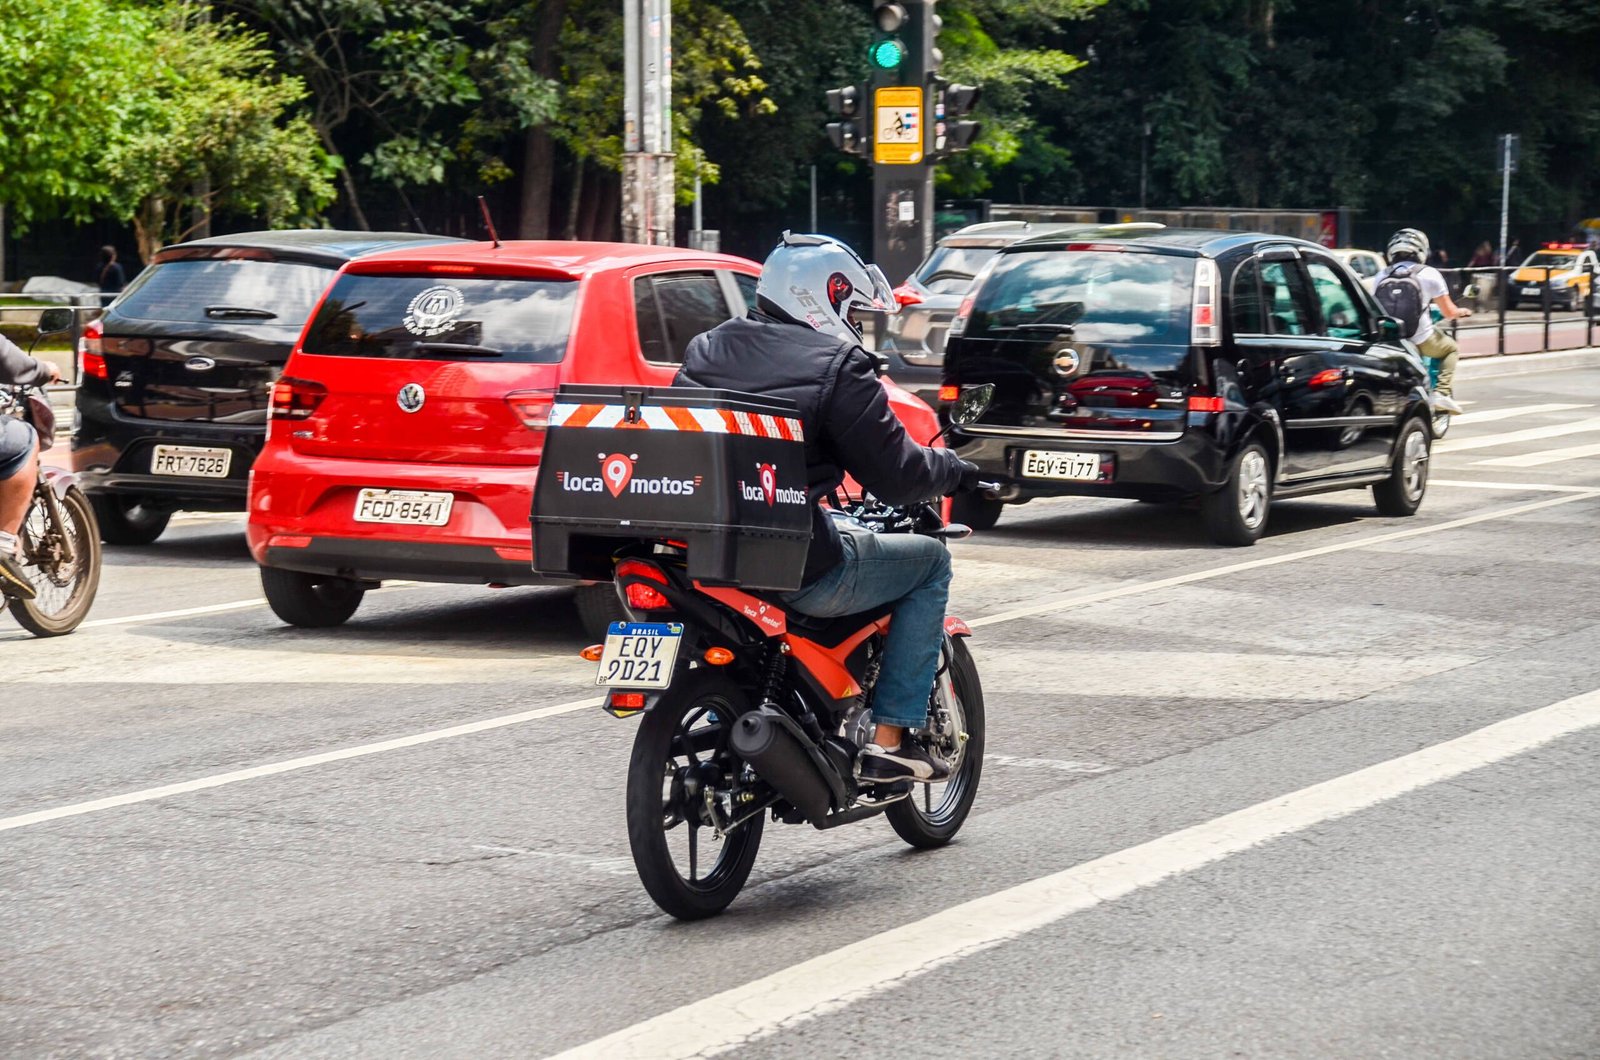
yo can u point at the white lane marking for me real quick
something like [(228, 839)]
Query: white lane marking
[(217, 780), (1544, 456), (1082, 599), (1053, 765), (1532, 434), (833, 980), (513, 719), (212, 609), (1532, 487), (1490, 415)]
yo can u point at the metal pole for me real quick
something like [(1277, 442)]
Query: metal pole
[(1505, 191), (813, 227), (1500, 289), (697, 224), (1144, 168)]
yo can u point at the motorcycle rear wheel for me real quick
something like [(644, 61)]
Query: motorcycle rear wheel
[(932, 816), (663, 825), (66, 590)]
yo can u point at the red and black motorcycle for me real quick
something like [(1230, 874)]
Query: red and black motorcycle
[(751, 709)]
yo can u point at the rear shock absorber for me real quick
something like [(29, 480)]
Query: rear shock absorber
[(773, 685)]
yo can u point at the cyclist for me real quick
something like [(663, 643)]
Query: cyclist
[(19, 466), (1406, 290), (801, 342)]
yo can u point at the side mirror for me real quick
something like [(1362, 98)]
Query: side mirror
[(972, 404), (52, 321), (1389, 329)]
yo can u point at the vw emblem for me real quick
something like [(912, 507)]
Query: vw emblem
[(200, 364), (411, 397), (1066, 362)]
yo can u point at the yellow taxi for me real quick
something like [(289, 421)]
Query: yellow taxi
[(1566, 267)]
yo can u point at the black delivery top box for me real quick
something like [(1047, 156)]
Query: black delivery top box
[(721, 471)]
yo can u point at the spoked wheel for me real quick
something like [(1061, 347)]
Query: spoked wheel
[(66, 586), (680, 760), (932, 816)]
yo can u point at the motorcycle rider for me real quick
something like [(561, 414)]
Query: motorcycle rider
[(19, 466), (1408, 254), (800, 342)]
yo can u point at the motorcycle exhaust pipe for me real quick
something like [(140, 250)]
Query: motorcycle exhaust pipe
[(780, 755)]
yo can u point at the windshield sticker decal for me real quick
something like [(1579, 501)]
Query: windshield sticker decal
[(434, 310)]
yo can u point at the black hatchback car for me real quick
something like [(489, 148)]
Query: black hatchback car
[(175, 380), (1225, 367)]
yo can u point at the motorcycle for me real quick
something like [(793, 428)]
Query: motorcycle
[(60, 538), (764, 711)]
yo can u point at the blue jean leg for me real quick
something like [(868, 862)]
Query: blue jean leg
[(912, 573)]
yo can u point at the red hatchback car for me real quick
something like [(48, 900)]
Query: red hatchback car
[(408, 424)]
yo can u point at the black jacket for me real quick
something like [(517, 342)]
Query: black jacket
[(849, 425)]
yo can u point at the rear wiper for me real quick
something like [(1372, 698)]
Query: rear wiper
[(458, 349), (240, 311)]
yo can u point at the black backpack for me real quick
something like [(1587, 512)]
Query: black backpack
[(1400, 295)]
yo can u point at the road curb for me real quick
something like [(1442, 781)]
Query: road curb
[(1494, 366)]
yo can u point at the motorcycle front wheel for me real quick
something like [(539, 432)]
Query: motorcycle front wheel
[(681, 751), (932, 816), (65, 588)]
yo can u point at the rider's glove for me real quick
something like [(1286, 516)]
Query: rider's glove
[(971, 476)]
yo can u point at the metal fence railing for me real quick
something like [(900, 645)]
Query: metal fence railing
[(1533, 309)]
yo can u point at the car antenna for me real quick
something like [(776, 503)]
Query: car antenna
[(488, 222)]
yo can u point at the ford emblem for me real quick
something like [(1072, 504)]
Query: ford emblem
[(411, 397), (1066, 362), (200, 364)]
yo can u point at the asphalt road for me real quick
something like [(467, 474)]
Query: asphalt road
[(1329, 796)]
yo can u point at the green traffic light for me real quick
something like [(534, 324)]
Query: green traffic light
[(888, 54)]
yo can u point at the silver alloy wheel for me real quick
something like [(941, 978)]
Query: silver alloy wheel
[(1414, 465), (1253, 489)]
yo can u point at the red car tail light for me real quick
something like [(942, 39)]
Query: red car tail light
[(91, 352), (532, 408), (1201, 403), (906, 294), (296, 399), (1328, 377)]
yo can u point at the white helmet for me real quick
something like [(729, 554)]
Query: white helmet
[(818, 280), (1408, 244)]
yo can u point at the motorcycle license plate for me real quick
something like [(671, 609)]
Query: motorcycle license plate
[(639, 654), (1049, 464), (190, 460)]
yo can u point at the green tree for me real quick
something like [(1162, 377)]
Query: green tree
[(212, 128)]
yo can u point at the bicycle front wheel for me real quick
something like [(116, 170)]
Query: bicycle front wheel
[(63, 562)]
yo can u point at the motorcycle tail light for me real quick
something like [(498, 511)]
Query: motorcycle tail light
[(91, 352), (296, 399), (625, 701), (642, 597)]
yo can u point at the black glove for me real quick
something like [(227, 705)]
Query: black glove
[(971, 476)]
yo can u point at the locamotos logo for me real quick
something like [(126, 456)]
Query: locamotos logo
[(767, 488), (616, 477)]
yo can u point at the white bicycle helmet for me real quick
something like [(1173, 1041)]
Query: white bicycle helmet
[(1408, 244), (820, 281)]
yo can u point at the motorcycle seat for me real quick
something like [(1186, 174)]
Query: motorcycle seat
[(825, 631)]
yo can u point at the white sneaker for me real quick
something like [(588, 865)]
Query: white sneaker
[(1445, 403)]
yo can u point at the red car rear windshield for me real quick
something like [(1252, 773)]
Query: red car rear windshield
[(432, 318)]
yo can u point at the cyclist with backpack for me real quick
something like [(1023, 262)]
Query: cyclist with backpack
[(1406, 290)]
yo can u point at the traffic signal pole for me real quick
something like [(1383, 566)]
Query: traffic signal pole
[(648, 207)]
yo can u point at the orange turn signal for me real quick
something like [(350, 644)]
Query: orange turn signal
[(593, 652), (718, 656)]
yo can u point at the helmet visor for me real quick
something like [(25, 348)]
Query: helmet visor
[(881, 296)]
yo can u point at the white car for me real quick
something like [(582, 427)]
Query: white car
[(1366, 264)]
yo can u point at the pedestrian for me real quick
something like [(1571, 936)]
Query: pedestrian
[(111, 279), (1406, 290), (1513, 253), (1483, 257)]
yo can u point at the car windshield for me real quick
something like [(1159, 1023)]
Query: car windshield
[(1550, 261), (1097, 296), (235, 290), (436, 319), (950, 270)]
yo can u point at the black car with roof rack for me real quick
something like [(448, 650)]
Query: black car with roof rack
[(1226, 367), (175, 380)]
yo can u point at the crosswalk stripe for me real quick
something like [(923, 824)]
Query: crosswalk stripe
[(1532, 487), (1532, 434), (1544, 456), (1490, 415)]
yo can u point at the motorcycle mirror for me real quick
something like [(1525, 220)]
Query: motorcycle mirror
[(55, 320), (972, 404)]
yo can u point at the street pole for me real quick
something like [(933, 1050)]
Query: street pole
[(647, 160), (813, 227), (1144, 165), (1505, 193)]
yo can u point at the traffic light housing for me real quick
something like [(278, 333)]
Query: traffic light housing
[(953, 131), (887, 53), (849, 134)]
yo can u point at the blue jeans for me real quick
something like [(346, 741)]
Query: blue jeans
[(911, 572)]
